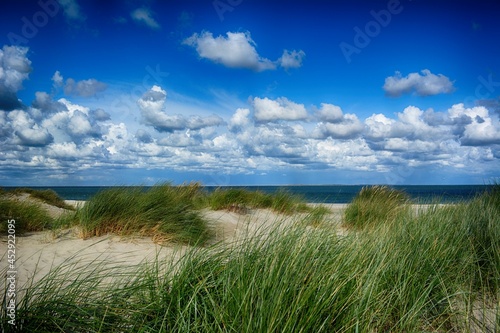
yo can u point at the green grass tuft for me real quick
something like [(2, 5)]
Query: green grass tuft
[(281, 201), (165, 212), (48, 196), (29, 217), (375, 205)]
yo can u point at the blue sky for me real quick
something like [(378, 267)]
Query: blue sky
[(249, 92)]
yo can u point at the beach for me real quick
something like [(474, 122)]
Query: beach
[(39, 252), (269, 261)]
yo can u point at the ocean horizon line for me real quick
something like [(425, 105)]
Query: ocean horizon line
[(310, 193)]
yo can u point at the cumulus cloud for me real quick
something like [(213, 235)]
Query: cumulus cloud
[(425, 84), (480, 129), (413, 124), (84, 88), (33, 137), (152, 106), (267, 110), (269, 134), (145, 16), (238, 50), (58, 79), (291, 59), (239, 120), (143, 136), (329, 113), (25, 129), (15, 67), (45, 104), (71, 10), (378, 127), (335, 124), (100, 115), (348, 127)]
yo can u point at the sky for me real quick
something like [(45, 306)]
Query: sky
[(247, 92)]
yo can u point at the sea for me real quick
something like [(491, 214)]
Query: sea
[(315, 193)]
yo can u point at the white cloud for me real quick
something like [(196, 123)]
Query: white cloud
[(329, 113), (378, 126), (15, 67), (46, 104), (481, 127), (334, 123), (349, 127), (33, 137), (79, 124), (72, 10), (143, 136), (237, 50), (291, 59), (279, 109), (152, 106), (145, 16), (100, 115), (412, 123), (239, 120), (58, 79), (268, 135), (426, 84), (84, 88)]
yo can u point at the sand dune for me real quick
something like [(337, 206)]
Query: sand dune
[(38, 253)]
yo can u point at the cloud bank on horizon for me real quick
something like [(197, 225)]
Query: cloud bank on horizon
[(79, 127)]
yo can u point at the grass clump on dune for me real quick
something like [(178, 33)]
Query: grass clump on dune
[(281, 201), (374, 205), (47, 196), (165, 212), (29, 216)]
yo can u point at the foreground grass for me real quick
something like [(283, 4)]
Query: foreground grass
[(435, 271)]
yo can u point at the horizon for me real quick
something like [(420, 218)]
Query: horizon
[(249, 93)]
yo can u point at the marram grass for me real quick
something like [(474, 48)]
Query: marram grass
[(28, 216), (47, 196), (435, 271), (166, 213), (376, 205), (281, 201)]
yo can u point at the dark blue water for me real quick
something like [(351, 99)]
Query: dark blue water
[(319, 193)]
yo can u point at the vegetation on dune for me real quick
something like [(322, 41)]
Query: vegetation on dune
[(28, 216), (47, 196), (376, 205), (281, 201), (432, 271), (165, 212)]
